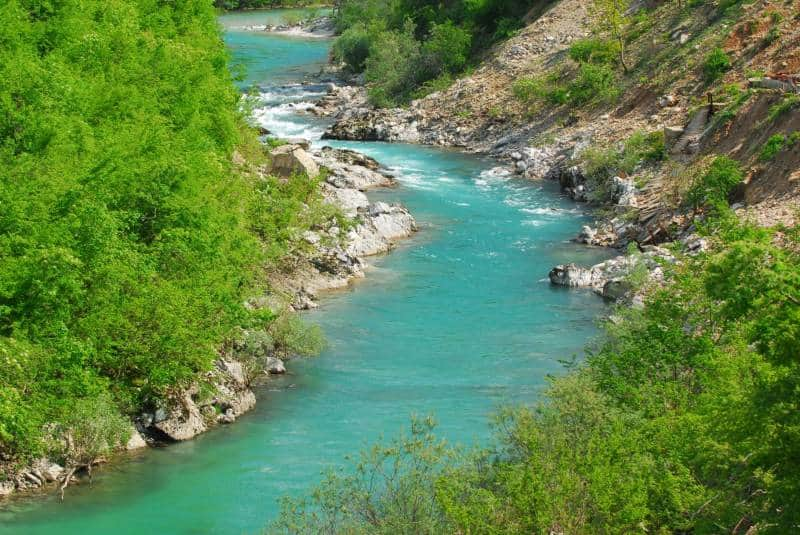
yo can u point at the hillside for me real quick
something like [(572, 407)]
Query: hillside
[(496, 109)]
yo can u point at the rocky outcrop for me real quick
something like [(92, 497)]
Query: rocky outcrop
[(381, 226), (292, 159), (183, 421), (611, 279), (338, 256)]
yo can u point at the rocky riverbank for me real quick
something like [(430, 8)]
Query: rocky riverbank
[(333, 258), (482, 112), (320, 27), (558, 160)]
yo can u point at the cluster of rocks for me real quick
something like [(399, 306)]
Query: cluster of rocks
[(337, 255), (41, 473), (318, 27), (611, 279)]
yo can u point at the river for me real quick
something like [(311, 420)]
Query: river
[(455, 322)]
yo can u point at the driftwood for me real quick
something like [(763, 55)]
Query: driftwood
[(67, 479)]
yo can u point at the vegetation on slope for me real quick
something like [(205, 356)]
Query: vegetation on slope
[(128, 240), (685, 419), (408, 48)]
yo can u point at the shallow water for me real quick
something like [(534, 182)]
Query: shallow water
[(455, 322)]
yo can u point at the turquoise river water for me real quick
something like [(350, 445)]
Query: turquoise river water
[(455, 322)]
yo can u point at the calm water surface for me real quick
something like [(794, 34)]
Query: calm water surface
[(457, 321)]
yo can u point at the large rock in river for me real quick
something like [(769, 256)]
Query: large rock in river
[(184, 421)]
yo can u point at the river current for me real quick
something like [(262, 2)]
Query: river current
[(457, 321)]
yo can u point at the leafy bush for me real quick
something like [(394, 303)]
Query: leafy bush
[(772, 147), (594, 84), (788, 103), (409, 48), (594, 50), (353, 47), (393, 67), (446, 50), (294, 338), (603, 164), (716, 185), (716, 64)]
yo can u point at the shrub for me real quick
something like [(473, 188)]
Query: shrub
[(594, 50), (594, 84), (446, 50), (788, 103), (353, 46), (716, 64), (293, 337), (772, 147), (716, 185), (392, 69)]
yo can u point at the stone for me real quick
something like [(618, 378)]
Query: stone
[(184, 421), (349, 200), (234, 370), (135, 442), (617, 290), (48, 470), (572, 276), (290, 160), (672, 134), (227, 417), (623, 192), (275, 366), (301, 142), (667, 101), (7, 488), (587, 235)]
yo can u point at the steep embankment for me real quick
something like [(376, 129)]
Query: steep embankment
[(632, 133)]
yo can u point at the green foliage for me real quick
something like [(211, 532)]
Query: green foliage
[(788, 103), (292, 337), (772, 147), (684, 420), (716, 64), (91, 428), (409, 48), (716, 185), (593, 50), (592, 84), (392, 67), (129, 241), (353, 47), (252, 4), (603, 164)]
